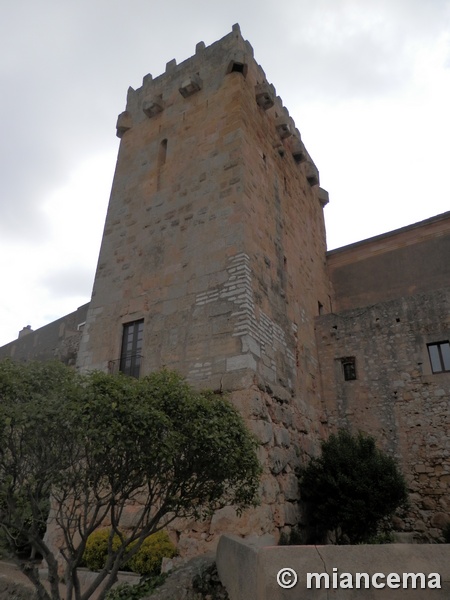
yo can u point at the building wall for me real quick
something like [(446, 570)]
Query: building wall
[(215, 238), (400, 263), (58, 340), (207, 246), (392, 297)]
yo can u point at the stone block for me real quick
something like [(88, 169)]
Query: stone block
[(265, 96), (190, 85), (249, 344), (290, 487), (323, 197), (282, 437), (283, 128), (124, 123), (440, 520), (243, 361), (152, 106), (269, 489), (263, 431), (298, 150), (278, 459), (250, 573)]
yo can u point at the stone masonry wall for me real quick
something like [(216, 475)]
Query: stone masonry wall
[(215, 238), (395, 396), (289, 435), (58, 340), (407, 261), (197, 244)]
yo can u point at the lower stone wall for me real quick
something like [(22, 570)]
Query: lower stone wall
[(289, 432), (395, 395), (58, 340)]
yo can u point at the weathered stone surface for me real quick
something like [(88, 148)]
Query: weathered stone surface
[(290, 487), (263, 431), (395, 396), (282, 437), (270, 489), (278, 459), (440, 520), (195, 580)]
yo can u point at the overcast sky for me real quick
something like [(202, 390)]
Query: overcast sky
[(366, 81)]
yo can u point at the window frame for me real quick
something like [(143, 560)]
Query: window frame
[(131, 348), (349, 368), (439, 359)]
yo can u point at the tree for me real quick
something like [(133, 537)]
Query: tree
[(97, 444), (351, 488)]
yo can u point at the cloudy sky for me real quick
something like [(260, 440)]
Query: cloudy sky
[(366, 81)]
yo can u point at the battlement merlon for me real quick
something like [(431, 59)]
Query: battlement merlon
[(205, 70)]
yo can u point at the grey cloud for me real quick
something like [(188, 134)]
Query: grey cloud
[(68, 281), (68, 65), (346, 49)]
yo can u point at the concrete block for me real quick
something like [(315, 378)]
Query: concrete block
[(250, 572)]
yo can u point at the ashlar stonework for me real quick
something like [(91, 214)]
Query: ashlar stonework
[(213, 262)]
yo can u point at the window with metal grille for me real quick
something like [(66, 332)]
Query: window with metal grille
[(439, 354), (131, 354)]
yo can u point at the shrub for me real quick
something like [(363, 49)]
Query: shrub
[(147, 561), (96, 552), (351, 488)]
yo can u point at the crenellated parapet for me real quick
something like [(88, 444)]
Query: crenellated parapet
[(183, 86)]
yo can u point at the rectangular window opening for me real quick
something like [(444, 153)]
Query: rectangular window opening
[(131, 354), (237, 67), (349, 368), (439, 353)]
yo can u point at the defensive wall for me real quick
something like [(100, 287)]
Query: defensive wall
[(391, 303), (396, 264), (58, 340)]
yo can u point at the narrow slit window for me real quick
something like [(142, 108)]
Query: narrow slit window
[(162, 155), (439, 354)]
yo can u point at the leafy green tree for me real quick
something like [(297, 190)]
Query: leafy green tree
[(95, 445), (351, 488)]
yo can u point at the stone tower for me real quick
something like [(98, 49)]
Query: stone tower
[(213, 260)]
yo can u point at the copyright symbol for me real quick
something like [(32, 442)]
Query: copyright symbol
[(287, 578)]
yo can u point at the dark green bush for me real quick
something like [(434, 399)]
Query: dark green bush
[(350, 489)]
